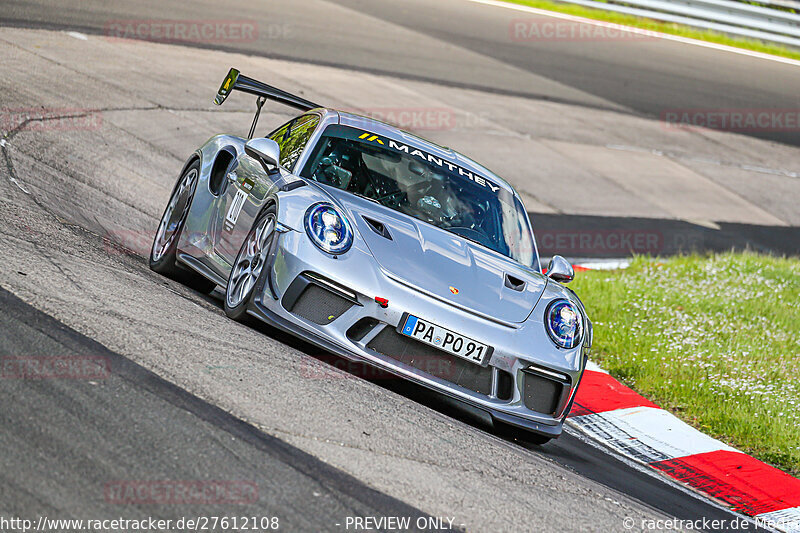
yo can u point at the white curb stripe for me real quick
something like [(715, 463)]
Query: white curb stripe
[(787, 520), (594, 367), (605, 264), (648, 434)]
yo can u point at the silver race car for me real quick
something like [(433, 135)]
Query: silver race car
[(383, 248)]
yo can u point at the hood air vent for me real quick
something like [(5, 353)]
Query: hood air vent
[(378, 228)]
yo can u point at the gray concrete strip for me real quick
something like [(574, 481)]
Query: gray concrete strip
[(318, 31), (670, 186)]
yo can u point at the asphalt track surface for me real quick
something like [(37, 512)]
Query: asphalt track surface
[(642, 76), (192, 395), (136, 424), (67, 442)]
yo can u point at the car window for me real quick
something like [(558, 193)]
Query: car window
[(425, 187), (280, 134), (293, 137)]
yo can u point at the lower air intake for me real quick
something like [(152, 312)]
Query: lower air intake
[(319, 305), (432, 361), (541, 394)]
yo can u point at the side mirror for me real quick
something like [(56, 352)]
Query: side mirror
[(266, 151), (560, 270)]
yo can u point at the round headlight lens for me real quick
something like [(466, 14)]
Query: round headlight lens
[(328, 229), (564, 323)]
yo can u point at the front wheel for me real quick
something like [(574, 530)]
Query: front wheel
[(249, 265), (165, 244)]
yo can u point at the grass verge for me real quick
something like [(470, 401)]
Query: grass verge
[(662, 27), (715, 340)]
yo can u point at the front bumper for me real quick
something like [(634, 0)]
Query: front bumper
[(345, 319)]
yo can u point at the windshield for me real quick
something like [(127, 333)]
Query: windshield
[(428, 188)]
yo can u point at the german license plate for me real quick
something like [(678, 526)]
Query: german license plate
[(446, 340)]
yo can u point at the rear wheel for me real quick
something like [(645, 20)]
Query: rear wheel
[(165, 244), (249, 265)]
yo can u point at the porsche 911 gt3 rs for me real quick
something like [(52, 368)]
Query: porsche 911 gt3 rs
[(383, 248)]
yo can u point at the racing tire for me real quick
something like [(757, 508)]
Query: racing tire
[(165, 244), (249, 266)]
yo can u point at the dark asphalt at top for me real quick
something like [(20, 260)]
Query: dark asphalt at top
[(645, 76), (69, 444)]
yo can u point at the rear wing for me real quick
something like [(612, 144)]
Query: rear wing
[(234, 81)]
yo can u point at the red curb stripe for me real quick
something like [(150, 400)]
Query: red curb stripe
[(745, 483), (599, 392)]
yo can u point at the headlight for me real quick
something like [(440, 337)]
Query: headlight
[(564, 323), (328, 228)]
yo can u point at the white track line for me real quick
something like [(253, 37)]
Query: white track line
[(640, 31)]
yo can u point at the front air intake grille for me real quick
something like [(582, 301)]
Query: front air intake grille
[(319, 305), (432, 361), (359, 330), (505, 385), (541, 394)]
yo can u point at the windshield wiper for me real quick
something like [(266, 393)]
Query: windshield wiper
[(365, 197), (468, 238)]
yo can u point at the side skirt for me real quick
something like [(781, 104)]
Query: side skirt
[(196, 265)]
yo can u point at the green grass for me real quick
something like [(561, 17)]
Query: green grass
[(663, 27), (716, 340)]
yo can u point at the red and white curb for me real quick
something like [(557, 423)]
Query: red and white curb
[(580, 265), (613, 414)]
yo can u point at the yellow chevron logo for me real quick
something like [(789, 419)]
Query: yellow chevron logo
[(372, 137)]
